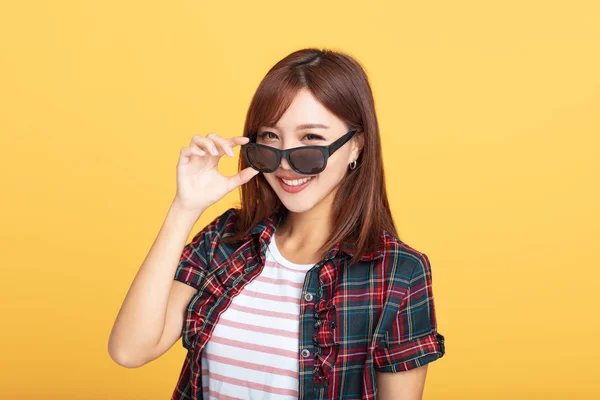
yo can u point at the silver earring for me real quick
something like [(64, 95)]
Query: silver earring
[(353, 164)]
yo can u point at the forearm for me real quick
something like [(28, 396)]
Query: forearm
[(141, 319)]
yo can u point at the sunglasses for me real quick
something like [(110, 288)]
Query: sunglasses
[(305, 160)]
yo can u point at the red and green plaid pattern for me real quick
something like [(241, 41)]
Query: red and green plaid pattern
[(376, 315)]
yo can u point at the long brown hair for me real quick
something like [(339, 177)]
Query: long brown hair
[(360, 208)]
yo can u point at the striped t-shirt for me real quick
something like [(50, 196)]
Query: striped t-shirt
[(253, 351)]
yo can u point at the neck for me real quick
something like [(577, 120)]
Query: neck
[(307, 230)]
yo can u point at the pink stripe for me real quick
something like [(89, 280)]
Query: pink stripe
[(252, 366), (257, 328), (286, 282), (278, 265), (274, 297), (253, 385), (255, 347), (219, 396), (258, 311)]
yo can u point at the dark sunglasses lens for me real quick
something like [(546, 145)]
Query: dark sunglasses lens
[(309, 161), (262, 158)]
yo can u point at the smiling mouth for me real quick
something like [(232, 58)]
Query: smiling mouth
[(295, 186), (296, 182)]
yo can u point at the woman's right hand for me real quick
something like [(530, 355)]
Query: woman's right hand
[(199, 183)]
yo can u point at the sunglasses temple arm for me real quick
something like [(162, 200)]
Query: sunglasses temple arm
[(340, 142)]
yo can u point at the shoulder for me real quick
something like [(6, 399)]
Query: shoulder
[(206, 242), (401, 262), (227, 221), (222, 224), (209, 235)]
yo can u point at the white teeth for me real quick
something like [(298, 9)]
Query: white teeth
[(296, 182)]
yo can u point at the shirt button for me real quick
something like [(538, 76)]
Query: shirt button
[(305, 353), (308, 297)]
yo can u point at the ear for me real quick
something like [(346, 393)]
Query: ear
[(358, 144)]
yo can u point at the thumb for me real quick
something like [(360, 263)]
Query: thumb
[(241, 177)]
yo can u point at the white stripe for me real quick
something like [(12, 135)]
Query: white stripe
[(249, 356), (276, 381), (264, 339), (274, 271), (260, 320)]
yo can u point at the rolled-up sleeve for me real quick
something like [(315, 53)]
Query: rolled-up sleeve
[(193, 264), (412, 340)]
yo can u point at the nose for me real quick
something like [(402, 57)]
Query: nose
[(284, 164)]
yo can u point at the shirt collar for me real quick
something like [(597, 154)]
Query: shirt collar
[(265, 229)]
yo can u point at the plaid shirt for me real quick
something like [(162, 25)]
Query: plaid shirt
[(376, 315)]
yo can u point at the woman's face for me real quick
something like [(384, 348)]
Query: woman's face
[(288, 133)]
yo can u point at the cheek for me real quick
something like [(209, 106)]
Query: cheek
[(335, 169), (271, 179), (330, 177)]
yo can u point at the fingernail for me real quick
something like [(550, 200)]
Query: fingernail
[(214, 152), (230, 151)]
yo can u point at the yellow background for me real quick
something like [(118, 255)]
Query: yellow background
[(489, 115)]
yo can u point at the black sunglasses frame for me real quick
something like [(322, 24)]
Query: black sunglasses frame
[(326, 150)]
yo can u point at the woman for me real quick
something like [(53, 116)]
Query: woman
[(305, 291)]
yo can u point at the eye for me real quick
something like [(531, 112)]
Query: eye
[(316, 137), (309, 136), (263, 134)]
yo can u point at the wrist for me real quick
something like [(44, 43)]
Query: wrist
[(180, 210)]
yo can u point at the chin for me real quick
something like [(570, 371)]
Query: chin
[(297, 208), (298, 203)]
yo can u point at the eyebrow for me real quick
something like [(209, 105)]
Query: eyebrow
[(311, 126), (305, 126)]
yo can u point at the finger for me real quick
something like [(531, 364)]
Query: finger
[(222, 142), (183, 158), (187, 152), (184, 155), (240, 140), (205, 144), (241, 177), (197, 149)]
